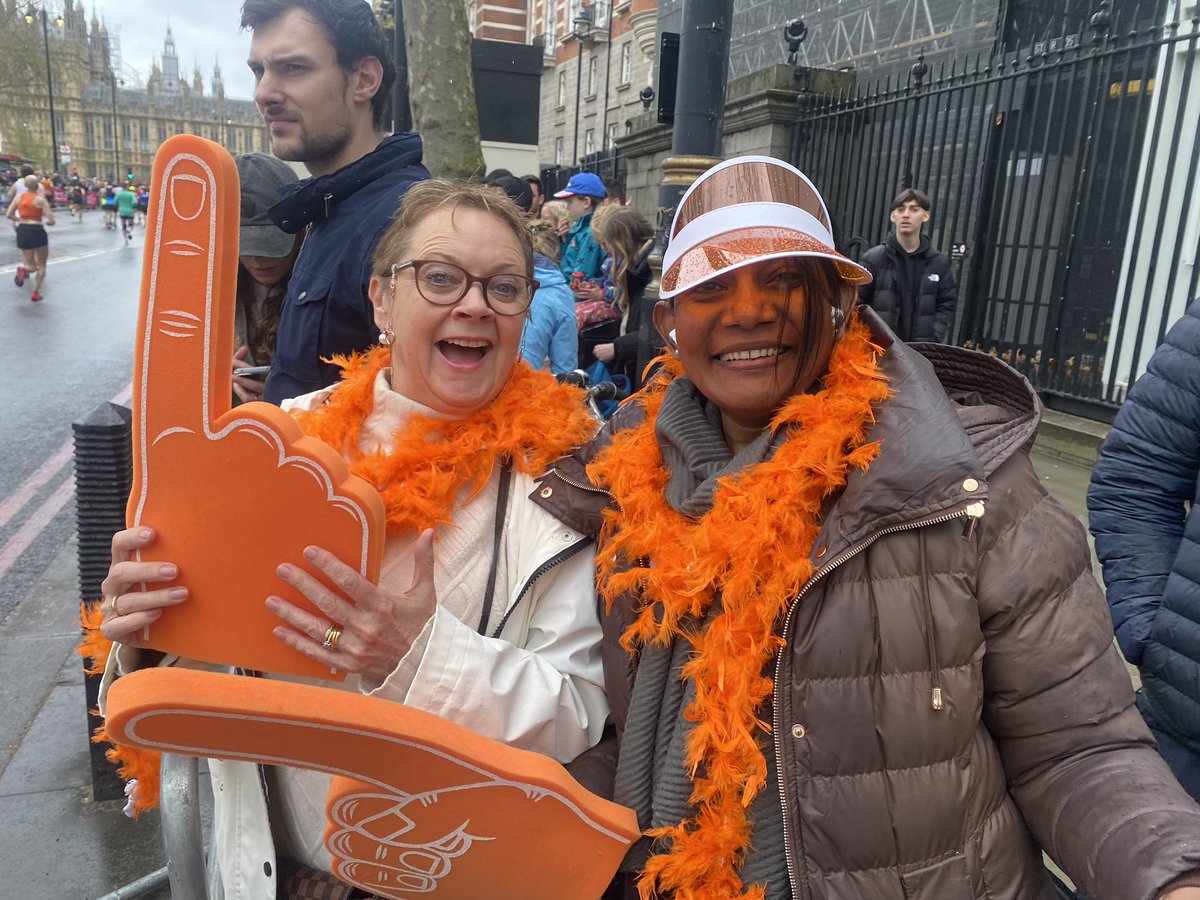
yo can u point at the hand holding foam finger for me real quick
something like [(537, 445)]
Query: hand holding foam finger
[(231, 493)]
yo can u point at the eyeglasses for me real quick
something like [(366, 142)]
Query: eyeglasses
[(444, 284)]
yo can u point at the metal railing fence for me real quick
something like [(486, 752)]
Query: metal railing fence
[(1057, 174)]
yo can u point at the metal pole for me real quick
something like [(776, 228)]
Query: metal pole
[(50, 88), (578, 84), (607, 81), (116, 134), (699, 111)]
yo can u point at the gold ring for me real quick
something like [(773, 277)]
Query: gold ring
[(112, 607), (331, 637)]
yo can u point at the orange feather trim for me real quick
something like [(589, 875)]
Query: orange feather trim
[(751, 550), (532, 422), (133, 763)]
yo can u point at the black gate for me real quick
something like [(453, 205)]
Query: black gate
[(1032, 160), (609, 165)]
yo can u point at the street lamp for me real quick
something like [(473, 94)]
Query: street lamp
[(31, 12), (112, 77), (583, 27)]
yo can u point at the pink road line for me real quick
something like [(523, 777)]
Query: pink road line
[(35, 525), (16, 501), (44, 514)]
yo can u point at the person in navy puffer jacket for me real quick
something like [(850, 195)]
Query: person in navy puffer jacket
[(1142, 507)]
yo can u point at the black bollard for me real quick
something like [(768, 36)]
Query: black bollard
[(103, 478)]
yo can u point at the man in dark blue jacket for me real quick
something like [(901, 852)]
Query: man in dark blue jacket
[(1142, 504), (323, 74)]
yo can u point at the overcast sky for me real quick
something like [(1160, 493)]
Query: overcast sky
[(205, 31)]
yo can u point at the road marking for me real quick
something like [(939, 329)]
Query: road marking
[(56, 260), (42, 517), (35, 525), (34, 483)]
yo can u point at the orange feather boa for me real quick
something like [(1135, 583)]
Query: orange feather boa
[(751, 550), (532, 422)]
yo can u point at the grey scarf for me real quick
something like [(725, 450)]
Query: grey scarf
[(651, 776)]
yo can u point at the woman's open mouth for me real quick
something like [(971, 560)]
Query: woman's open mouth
[(463, 352)]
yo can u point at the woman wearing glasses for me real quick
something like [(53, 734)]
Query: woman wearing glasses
[(485, 611)]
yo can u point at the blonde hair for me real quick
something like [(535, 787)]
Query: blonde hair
[(624, 231), (545, 240), (427, 197), (555, 211)]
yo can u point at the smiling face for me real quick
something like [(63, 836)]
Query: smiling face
[(454, 359), (752, 337), (307, 98)]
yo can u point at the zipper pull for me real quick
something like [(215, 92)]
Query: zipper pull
[(973, 513), (935, 700), (328, 197)]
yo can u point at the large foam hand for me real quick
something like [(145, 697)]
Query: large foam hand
[(418, 805), (231, 493)]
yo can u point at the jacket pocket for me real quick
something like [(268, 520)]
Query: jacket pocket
[(946, 879), (298, 348)]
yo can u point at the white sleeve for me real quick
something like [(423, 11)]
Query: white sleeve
[(538, 686)]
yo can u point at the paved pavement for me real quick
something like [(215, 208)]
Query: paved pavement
[(57, 842)]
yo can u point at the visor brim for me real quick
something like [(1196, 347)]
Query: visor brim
[(744, 246)]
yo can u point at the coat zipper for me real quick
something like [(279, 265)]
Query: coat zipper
[(541, 570), (973, 511), (571, 481)]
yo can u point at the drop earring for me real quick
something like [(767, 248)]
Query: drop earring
[(839, 321), (387, 337)]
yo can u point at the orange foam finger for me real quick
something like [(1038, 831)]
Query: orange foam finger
[(418, 805), (231, 493)]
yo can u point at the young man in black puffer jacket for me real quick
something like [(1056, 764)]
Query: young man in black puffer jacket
[(913, 290)]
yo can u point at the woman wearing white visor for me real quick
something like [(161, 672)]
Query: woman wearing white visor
[(853, 647)]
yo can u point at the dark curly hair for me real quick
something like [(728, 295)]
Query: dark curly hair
[(353, 31)]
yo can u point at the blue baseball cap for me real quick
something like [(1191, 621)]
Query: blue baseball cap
[(585, 184)]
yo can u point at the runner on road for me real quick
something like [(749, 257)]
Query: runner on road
[(29, 211), (126, 209)]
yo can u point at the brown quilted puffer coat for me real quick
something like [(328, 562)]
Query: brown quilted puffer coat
[(1037, 741)]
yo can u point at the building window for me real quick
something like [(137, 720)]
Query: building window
[(589, 142), (89, 132), (599, 13), (562, 89), (611, 137), (558, 151), (144, 132), (626, 61), (550, 32), (593, 71), (126, 136), (108, 135)]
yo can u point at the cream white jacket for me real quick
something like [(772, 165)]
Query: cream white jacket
[(533, 680)]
